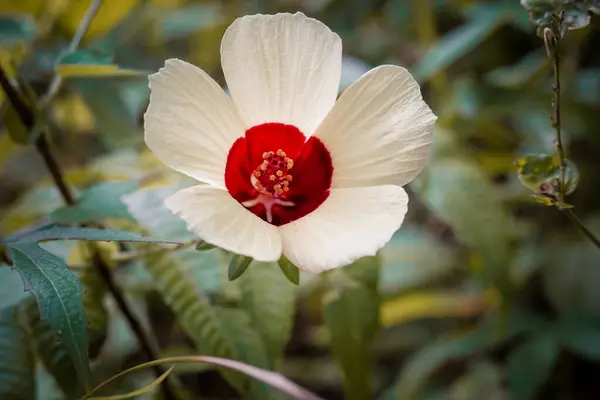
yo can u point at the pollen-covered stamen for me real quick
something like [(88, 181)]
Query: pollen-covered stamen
[(271, 177)]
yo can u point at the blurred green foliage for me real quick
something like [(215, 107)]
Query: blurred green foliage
[(483, 293)]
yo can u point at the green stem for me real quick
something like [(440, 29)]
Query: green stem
[(573, 217), (552, 43)]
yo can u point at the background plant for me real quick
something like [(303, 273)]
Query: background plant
[(483, 290)]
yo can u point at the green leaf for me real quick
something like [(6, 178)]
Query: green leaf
[(16, 359), (458, 42), (97, 202), (460, 194), (60, 299), (55, 232), (48, 348), (237, 266), (270, 301), (204, 246), (581, 335), (530, 364), (291, 272), (11, 287), (413, 258), (91, 64), (246, 346), (541, 174), (198, 318), (117, 127), (16, 27), (420, 367), (351, 312)]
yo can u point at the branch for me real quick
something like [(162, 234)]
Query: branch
[(81, 30), (552, 43), (573, 217), (27, 117)]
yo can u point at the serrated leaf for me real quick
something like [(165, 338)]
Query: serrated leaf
[(57, 290), (270, 300), (291, 272), (193, 311), (16, 359), (96, 203), (47, 346), (55, 232), (237, 266), (351, 312), (246, 346), (530, 364), (60, 299)]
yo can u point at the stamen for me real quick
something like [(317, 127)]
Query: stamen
[(272, 178)]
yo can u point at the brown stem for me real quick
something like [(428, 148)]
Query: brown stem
[(44, 149), (27, 118), (556, 122)]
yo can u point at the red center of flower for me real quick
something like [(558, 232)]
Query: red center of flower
[(277, 174)]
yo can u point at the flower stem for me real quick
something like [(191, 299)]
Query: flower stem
[(552, 43), (573, 217)]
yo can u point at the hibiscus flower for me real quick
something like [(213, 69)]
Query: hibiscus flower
[(286, 168)]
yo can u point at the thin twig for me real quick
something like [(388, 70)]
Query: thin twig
[(552, 43), (573, 217), (81, 30)]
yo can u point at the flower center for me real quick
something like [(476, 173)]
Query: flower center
[(277, 174), (271, 178)]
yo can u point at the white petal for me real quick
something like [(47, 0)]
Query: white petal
[(282, 68), (352, 223), (191, 123), (213, 215), (379, 131)]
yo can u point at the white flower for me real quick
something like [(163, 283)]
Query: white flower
[(287, 168)]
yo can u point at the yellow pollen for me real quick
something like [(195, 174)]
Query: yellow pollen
[(257, 174), (289, 178), (279, 174), (272, 177)]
